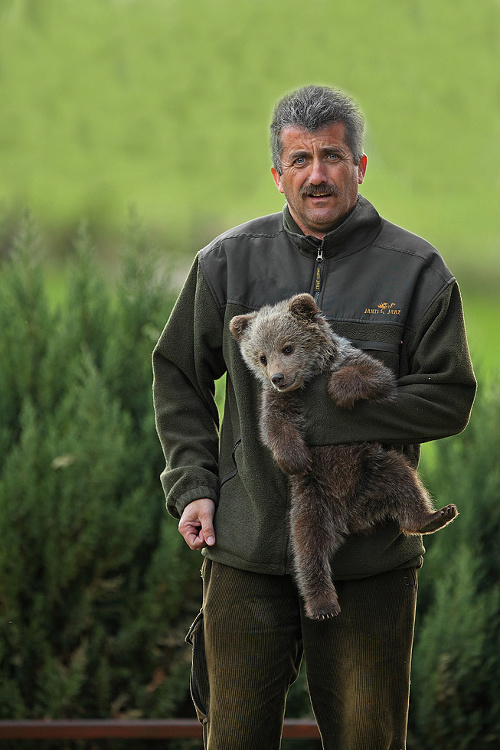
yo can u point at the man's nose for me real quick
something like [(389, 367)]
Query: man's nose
[(318, 173)]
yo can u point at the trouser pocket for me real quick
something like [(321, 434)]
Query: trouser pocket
[(198, 683)]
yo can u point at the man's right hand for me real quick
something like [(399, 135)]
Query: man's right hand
[(196, 524)]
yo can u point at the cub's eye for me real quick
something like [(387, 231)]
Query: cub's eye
[(288, 349), (263, 359)]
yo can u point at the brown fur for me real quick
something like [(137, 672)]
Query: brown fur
[(335, 490)]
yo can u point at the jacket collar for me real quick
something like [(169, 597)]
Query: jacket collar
[(358, 230)]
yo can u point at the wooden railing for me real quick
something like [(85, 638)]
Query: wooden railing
[(152, 729)]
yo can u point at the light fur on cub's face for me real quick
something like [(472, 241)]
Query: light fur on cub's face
[(286, 345)]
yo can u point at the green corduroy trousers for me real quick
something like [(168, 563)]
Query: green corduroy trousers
[(248, 642)]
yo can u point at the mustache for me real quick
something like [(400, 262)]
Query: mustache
[(325, 189)]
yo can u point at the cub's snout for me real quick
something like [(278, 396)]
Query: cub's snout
[(283, 382)]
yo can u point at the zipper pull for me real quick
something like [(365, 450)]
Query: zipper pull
[(317, 282)]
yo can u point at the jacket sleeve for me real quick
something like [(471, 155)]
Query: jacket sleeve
[(433, 400), (187, 361)]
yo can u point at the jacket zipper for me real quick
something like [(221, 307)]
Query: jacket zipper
[(317, 278)]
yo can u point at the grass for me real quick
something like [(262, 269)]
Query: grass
[(164, 104), (481, 318)]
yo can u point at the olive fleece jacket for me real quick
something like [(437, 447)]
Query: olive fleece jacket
[(386, 290)]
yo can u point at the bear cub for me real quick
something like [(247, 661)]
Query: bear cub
[(334, 490)]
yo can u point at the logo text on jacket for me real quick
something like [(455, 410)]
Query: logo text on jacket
[(383, 308)]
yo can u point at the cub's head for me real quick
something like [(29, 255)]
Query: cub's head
[(286, 345)]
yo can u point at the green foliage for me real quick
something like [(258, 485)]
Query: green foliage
[(97, 588), (456, 664)]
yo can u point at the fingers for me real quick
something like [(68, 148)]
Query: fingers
[(196, 524)]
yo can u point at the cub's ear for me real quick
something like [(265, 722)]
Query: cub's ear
[(239, 324), (304, 306)]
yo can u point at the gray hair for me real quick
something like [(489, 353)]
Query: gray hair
[(312, 108)]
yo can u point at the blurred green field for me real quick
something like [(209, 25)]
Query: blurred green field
[(164, 105), (481, 317)]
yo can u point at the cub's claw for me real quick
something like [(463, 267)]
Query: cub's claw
[(327, 612)]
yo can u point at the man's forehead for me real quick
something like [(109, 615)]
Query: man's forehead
[(294, 137)]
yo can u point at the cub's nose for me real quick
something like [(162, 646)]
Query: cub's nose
[(277, 379)]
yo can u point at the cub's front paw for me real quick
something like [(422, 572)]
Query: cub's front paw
[(344, 387), (294, 462), (357, 383), (323, 610)]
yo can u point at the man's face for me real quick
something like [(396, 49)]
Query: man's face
[(319, 177)]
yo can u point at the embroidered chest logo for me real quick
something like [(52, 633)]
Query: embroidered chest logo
[(384, 308)]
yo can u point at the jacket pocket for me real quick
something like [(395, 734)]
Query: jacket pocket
[(233, 471), (388, 353), (198, 683)]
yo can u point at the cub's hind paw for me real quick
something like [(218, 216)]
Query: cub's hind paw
[(439, 519)]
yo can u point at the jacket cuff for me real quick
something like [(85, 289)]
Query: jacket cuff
[(176, 506)]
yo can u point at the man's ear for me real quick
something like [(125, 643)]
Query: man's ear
[(239, 324), (277, 179), (362, 169), (303, 306)]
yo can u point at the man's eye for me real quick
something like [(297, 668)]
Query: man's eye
[(300, 160), (263, 359), (334, 157), (288, 349)]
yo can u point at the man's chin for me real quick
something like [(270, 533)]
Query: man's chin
[(322, 224), (324, 220)]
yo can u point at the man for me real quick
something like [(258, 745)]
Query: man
[(390, 293)]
